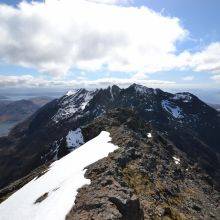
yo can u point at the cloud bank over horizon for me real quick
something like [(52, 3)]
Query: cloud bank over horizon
[(29, 81)]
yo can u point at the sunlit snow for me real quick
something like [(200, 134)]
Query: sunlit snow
[(72, 103), (71, 92), (185, 97), (149, 135), (143, 90), (176, 160), (74, 139), (175, 111), (61, 182)]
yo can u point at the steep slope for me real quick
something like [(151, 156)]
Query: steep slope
[(147, 177), (51, 195), (184, 119)]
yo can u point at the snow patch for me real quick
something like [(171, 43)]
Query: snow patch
[(74, 139), (87, 98), (185, 97), (149, 135), (174, 110), (176, 160), (111, 92), (143, 89), (71, 92), (69, 105), (60, 184)]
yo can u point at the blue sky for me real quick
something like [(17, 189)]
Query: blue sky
[(193, 46)]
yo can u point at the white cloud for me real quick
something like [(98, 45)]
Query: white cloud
[(216, 78), (112, 1), (207, 60), (58, 35), (23, 80), (29, 81), (188, 78)]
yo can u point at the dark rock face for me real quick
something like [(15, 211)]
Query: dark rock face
[(141, 180), (172, 175)]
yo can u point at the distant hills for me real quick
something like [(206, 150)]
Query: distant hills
[(13, 112), (3, 97)]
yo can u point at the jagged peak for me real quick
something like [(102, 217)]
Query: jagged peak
[(82, 90), (113, 87), (142, 89), (70, 92), (133, 85), (75, 91)]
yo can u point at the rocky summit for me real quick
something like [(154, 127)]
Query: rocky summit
[(166, 165)]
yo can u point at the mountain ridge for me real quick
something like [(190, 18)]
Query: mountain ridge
[(40, 131), (177, 130), (146, 169)]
